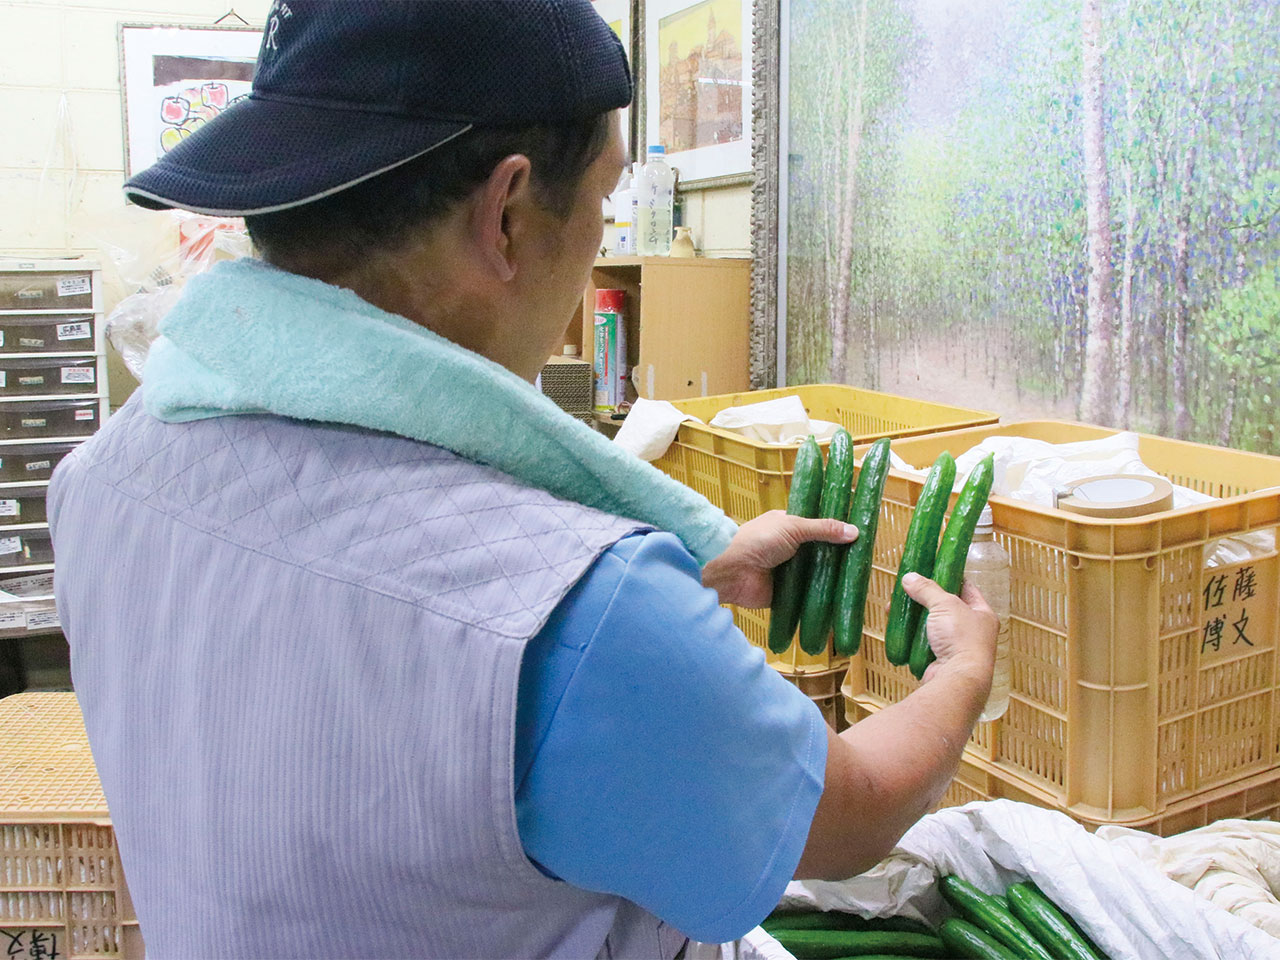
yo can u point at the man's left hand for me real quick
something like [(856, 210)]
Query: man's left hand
[(743, 574)]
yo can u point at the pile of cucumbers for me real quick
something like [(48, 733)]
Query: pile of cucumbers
[(823, 588), (1023, 924)]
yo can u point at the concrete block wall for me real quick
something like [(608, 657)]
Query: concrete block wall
[(62, 139)]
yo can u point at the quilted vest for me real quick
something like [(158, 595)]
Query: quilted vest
[(297, 649)]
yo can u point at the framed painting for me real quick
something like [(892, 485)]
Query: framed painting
[(177, 78), (697, 88), (618, 14), (989, 201)]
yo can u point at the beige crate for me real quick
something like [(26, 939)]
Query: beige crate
[(61, 884)]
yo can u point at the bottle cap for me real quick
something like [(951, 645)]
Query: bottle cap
[(570, 350), (657, 148), (985, 519)]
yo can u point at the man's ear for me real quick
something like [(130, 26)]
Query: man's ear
[(493, 224)]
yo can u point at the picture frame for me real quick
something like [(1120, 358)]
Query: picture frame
[(699, 104), (619, 15), (768, 193), (176, 77)]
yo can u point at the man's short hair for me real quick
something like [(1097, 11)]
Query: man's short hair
[(381, 213)]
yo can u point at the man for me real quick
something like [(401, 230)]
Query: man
[(390, 657)]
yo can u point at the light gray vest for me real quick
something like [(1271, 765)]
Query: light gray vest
[(297, 648)]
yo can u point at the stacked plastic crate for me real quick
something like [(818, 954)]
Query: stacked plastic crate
[(1144, 655), (62, 890)]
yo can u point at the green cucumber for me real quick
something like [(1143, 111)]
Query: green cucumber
[(918, 551), (839, 920), (948, 567), (837, 490), (968, 941), (790, 577), (1050, 925), (855, 573), (992, 917), (833, 944)]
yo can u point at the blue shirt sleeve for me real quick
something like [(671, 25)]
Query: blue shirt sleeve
[(658, 757)]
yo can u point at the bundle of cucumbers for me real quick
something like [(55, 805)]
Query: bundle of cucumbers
[(823, 588), (1024, 924), (825, 584), (829, 936)]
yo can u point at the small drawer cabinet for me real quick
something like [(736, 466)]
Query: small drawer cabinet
[(53, 396)]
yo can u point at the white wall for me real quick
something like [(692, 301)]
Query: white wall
[(720, 221), (61, 128)]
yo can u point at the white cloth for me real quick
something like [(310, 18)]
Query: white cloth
[(1030, 470), (1232, 863)]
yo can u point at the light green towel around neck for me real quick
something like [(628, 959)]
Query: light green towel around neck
[(248, 338)]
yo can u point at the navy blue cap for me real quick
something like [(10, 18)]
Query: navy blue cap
[(347, 89)]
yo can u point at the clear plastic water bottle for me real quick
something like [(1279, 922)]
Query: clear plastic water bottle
[(655, 199), (987, 568)]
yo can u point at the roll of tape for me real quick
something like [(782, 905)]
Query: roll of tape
[(1116, 496)]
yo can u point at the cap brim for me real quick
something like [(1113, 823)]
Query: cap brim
[(263, 155)]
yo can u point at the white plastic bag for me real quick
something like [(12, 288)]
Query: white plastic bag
[(148, 269), (650, 427), (782, 420)]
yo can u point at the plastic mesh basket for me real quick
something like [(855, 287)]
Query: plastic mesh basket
[(1141, 678), (1252, 798), (745, 477)]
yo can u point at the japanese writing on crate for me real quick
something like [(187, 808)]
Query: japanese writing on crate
[(29, 945), (1226, 609)]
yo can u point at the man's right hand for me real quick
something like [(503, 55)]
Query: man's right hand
[(962, 630)]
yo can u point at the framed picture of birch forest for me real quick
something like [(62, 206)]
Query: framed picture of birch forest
[(1047, 208)]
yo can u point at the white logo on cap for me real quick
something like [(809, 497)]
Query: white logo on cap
[(279, 11)]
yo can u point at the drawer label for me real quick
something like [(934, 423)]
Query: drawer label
[(73, 286), (32, 423), (78, 374), (30, 381), (38, 584), (85, 414), (30, 294), (43, 619), (1, 338), (12, 619), (71, 331), (30, 342), (34, 465), (10, 508), (10, 545), (3, 376)]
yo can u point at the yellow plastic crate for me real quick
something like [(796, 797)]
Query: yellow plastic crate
[(745, 478), (1252, 798), (61, 885), (1142, 681)]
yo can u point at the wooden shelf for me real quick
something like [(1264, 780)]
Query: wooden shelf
[(687, 319)]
